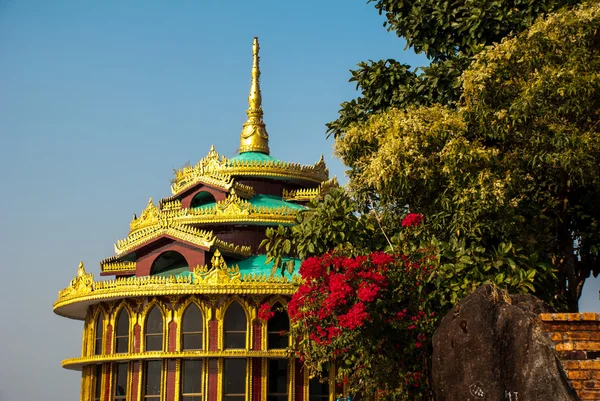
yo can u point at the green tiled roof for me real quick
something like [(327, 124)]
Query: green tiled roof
[(254, 156), (263, 200), (253, 265)]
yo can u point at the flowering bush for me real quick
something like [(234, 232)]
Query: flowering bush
[(412, 220), (370, 316), (265, 312)]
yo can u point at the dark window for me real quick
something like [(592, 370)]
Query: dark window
[(97, 382), (122, 333), (152, 380), (234, 379), (99, 330), (169, 263), (120, 392), (192, 328), (279, 324), (277, 384), (191, 384), (235, 326), (202, 198), (154, 330), (317, 390)]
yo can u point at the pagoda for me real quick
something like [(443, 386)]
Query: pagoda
[(177, 320)]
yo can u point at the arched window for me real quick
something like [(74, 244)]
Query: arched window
[(278, 328), (202, 198), (192, 328), (154, 330), (235, 326), (122, 332), (99, 330), (169, 263)]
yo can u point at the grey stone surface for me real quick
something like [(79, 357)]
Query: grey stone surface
[(491, 347)]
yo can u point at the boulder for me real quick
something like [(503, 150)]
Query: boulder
[(491, 347)]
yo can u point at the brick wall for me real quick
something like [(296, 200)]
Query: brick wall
[(577, 340)]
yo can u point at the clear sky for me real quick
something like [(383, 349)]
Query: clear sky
[(101, 100)]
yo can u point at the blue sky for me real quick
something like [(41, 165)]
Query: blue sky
[(101, 100)]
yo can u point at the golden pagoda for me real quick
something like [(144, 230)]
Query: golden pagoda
[(178, 320)]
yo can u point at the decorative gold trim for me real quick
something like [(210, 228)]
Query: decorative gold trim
[(249, 381), (177, 384), (182, 232), (264, 374), (143, 316), (220, 379), (308, 194), (117, 267), (211, 178), (83, 288), (77, 363), (291, 379), (129, 390), (215, 163), (140, 379)]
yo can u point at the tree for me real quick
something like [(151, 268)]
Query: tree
[(373, 315), (517, 161), (449, 33)]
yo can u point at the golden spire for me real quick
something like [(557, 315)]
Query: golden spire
[(254, 137)]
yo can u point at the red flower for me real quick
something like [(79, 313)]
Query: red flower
[(367, 292), (412, 220), (265, 312), (355, 317)]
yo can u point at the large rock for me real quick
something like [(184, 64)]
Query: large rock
[(491, 347)]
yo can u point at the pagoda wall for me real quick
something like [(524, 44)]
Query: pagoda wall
[(147, 256)]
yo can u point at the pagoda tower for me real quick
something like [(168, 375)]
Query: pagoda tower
[(177, 318)]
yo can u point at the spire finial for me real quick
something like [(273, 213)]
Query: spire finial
[(254, 137)]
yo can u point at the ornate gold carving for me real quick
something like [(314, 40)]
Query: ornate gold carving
[(308, 194), (242, 190), (149, 217), (166, 206), (254, 137), (196, 283), (214, 165), (219, 273), (116, 267), (81, 284), (167, 226), (78, 363)]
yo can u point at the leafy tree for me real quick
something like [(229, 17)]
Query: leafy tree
[(517, 161), (449, 33), (373, 315)]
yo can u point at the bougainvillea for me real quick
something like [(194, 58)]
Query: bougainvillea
[(265, 312), (371, 317)]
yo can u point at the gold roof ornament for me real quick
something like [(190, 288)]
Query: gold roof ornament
[(254, 137)]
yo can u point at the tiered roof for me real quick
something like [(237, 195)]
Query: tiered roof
[(177, 219)]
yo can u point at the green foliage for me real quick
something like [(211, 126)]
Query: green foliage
[(518, 161), (331, 224), (374, 315), (441, 29), (449, 33), (387, 83)]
